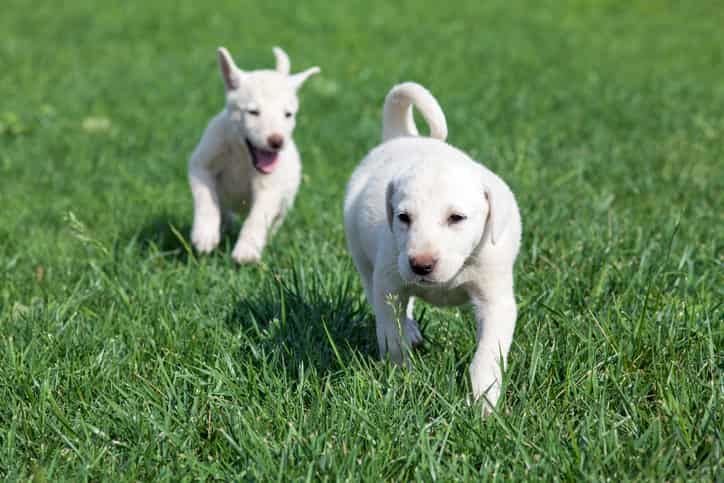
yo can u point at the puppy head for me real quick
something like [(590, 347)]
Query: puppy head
[(438, 218), (262, 106)]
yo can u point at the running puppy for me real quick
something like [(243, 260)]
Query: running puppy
[(424, 220), (246, 157)]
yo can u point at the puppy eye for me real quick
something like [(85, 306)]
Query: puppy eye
[(404, 218), (455, 218), (252, 112), (288, 114)]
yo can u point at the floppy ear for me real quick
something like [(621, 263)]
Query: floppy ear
[(229, 71), (298, 79), (388, 202), (498, 213), (282, 60)]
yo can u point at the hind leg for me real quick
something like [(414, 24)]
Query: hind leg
[(412, 329), (267, 210), (227, 220)]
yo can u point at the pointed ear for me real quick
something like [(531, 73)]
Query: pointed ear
[(388, 202), (283, 64), (298, 79), (498, 213), (229, 71)]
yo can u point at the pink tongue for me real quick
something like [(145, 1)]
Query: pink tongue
[(265, 160)]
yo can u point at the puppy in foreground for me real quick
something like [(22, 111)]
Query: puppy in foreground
[(422, 219), (246, 158)]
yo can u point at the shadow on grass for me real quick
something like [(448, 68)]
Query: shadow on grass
[(303, 318), (167, 237)]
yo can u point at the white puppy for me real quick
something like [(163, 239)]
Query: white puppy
[(424, 220), (246, 157)]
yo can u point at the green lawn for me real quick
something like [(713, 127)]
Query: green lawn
[(125, 356)]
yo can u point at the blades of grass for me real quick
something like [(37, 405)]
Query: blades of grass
[(182, 240)]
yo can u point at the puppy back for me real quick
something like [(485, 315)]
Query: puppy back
[(398, 121)]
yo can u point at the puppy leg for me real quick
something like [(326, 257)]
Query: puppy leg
[(205, 233), (227, 220), (365, 273), (412, 329), (266, 211), (496, 313), (389, 318)]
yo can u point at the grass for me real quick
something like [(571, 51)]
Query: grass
[(125, 356)]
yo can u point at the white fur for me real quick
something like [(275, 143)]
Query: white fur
[(429, 180), (260, 106)]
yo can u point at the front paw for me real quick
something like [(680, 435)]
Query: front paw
[(486, 387), (412, 333), (205, 237), (245, 253)]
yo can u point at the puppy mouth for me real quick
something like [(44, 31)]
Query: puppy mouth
[(264, 160)]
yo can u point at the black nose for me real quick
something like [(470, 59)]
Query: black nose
[(276, 141), (422, 264)]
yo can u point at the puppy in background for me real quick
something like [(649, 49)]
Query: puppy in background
[(422, 219), (247, 158)]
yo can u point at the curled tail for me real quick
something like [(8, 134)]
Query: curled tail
[(397, 119)]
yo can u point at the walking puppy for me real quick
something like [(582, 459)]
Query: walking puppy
[(424, 220), (246, 157)]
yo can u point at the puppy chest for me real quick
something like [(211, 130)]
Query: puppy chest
[(441, 296), (234, 185)]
